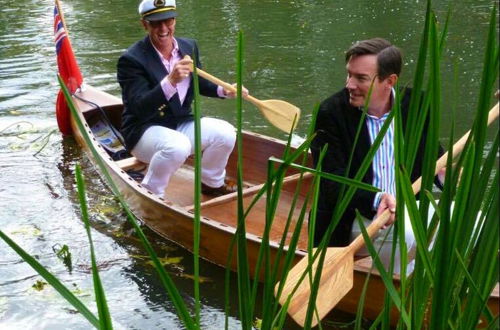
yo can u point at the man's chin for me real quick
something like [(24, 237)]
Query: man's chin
[(356, 101)]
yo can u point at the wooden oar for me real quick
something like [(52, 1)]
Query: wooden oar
[(338, 268), (281, 114)]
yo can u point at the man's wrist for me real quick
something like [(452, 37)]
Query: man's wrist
[(376, 200), (168, 88), (221, 92)]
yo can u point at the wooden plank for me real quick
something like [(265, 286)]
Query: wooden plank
[(129, 163), (246, 192)]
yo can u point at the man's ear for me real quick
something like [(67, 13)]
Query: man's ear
[(144, 24), (392, 79)]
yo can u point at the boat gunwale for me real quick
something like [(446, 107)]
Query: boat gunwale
[(361, 270), (144, 192)]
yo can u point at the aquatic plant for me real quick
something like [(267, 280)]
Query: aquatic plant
[(453, 277)]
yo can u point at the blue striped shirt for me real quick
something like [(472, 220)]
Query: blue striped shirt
[(383, 162)]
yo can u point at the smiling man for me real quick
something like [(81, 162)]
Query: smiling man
[(370, 61), (157, 92)]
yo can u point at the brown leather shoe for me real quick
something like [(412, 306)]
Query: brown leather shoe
[(222, 190)]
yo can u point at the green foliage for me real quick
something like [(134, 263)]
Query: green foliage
[(39, 285), (52, 280), (63, 253), (456, 264), (100, 297)]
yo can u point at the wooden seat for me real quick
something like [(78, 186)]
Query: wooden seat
[(129, 163)]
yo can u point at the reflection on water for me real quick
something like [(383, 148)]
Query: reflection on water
[(293, 51)]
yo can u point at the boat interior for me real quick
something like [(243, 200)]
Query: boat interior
[(257, 151), (104, 120)]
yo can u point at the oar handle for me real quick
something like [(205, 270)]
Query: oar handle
[(457, 149), (379, 222), (372, 229), (227, 86)]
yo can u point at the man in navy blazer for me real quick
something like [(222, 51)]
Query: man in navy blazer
[(369, 61), (157, 92)]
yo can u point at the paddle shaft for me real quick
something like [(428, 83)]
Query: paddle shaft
[(280, 114), (338, 268), (457, 148), (230, 87)]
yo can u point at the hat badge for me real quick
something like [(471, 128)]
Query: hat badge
[(159, 3)]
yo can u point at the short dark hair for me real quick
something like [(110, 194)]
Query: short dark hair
[(389, 59)]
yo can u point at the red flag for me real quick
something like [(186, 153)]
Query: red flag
[(66, 62), (68, 70)]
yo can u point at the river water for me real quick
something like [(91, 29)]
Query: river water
[(293, 51)]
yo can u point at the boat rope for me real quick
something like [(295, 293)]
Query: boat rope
[(108, 122)]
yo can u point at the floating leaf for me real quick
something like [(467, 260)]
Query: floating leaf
[(64, 255), (79, 292), (39, 285), (16, 146), (107, 208), (167, 261), (200, 278), (137, 256), (27, 230), (257, 323)]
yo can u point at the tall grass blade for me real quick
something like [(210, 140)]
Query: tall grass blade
[(489, 76), (386, 277), (197, 191), (432, 138), (244, 293), (165, 279), (484, 275), (102, 305), (52, 280), (398, 233), (412, 124)]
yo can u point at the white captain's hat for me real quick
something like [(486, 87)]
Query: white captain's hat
[(157, 10)]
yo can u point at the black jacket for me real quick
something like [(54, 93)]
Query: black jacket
[(336, 125), (140, 71)]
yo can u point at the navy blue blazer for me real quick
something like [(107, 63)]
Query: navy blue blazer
[(139, 72), (336, 125)]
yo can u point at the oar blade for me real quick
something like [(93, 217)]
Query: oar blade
[(281, 114), (336, 281)]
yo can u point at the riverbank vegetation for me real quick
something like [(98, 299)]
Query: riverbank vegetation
[(456, 260)]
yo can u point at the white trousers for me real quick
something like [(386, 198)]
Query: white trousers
[(383, 241), (165, 150)]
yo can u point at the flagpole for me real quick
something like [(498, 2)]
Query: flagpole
[(58, 5)]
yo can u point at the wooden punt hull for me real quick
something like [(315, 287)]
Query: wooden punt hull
[(172, 218)]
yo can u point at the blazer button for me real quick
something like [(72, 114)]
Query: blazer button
[(162, 113)]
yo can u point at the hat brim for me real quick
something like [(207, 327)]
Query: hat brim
[(160, 16)]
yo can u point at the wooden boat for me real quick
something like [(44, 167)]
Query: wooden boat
[(172, 217)]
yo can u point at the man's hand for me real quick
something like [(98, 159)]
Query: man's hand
[(387, 201), (232, 94), (181, 71)]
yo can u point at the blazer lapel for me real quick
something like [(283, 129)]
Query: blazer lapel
[(363, 144), (156, 67), (184, 48)]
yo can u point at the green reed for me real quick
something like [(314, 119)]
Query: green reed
[(452, 278), (456, 266), (100, 297), (197, 192), (180, 306)]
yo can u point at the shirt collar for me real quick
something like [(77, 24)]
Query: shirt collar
[(174, 52), (393, 97)]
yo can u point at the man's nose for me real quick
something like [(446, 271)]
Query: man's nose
[(349, 84)]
